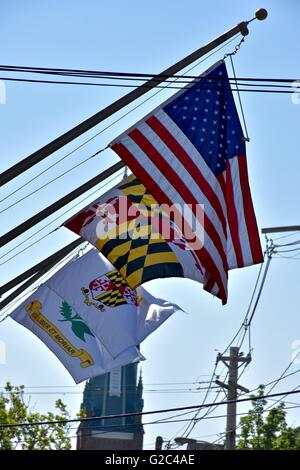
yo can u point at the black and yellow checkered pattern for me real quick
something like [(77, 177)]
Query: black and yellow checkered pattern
[(137, 252), (113, 297)]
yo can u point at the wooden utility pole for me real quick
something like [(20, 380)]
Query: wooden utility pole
[(232, 362)]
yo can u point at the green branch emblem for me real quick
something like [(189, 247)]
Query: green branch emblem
[(78, 326)]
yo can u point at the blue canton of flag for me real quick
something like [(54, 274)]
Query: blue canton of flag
[(206, 113)]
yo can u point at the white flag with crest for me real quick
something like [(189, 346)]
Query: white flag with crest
[(90, 318)]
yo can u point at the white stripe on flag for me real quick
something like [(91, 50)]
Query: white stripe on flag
[(231, 256), (239, 205), (185, 176)]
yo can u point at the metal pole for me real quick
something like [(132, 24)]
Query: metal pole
[(84, 126), (35, 219), (56, 257), (26, 285)]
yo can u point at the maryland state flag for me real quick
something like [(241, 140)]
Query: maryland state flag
[(142, 240)]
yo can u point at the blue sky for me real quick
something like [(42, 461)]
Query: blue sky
[(133, 37)]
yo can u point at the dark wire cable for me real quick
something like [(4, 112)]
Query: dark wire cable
[(53, 180), (143, 413), (117, 120), (118, 75), (51, 222), (118, 85)]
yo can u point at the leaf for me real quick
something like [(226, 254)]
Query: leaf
[(66, 310), (80, 328)]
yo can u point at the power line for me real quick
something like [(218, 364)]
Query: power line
[(113, 123), (53, 180), (128, 75), (123, 85), (35, 219), (10, 235), (99, 388), (142, 413), (92, 121), (168, 391), (114, 74), (117, 175)]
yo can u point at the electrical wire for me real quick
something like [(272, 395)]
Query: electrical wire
[(246, 326), (37, 284), (114, 74), (99, 388), (119, 85), (129, 75), (117, 175), (116, 121), (52, 181), (143, 413)]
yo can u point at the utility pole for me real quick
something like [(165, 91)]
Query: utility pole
[(48, 149), (158, 443), (232, 362)]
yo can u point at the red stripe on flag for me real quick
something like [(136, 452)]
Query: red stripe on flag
[(181, 188), (232, 217), (191, 167), (222, 182), (76, 223), (250, 218), (161, 197), (209, 284)]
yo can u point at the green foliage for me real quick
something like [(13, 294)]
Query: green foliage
[(267, 431), (79, 327), (13, 410)]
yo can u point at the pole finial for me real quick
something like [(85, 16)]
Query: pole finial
[(261, 14)]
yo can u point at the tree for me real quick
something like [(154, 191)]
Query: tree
[(13, 410), (267, 431)]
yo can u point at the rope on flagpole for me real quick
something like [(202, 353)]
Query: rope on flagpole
[(230, 55)]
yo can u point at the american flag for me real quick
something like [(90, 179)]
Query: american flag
[(191, 150)]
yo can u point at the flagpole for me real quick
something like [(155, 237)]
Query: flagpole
[(92, 121), (55, 258), (26, 285), (43, 214)]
